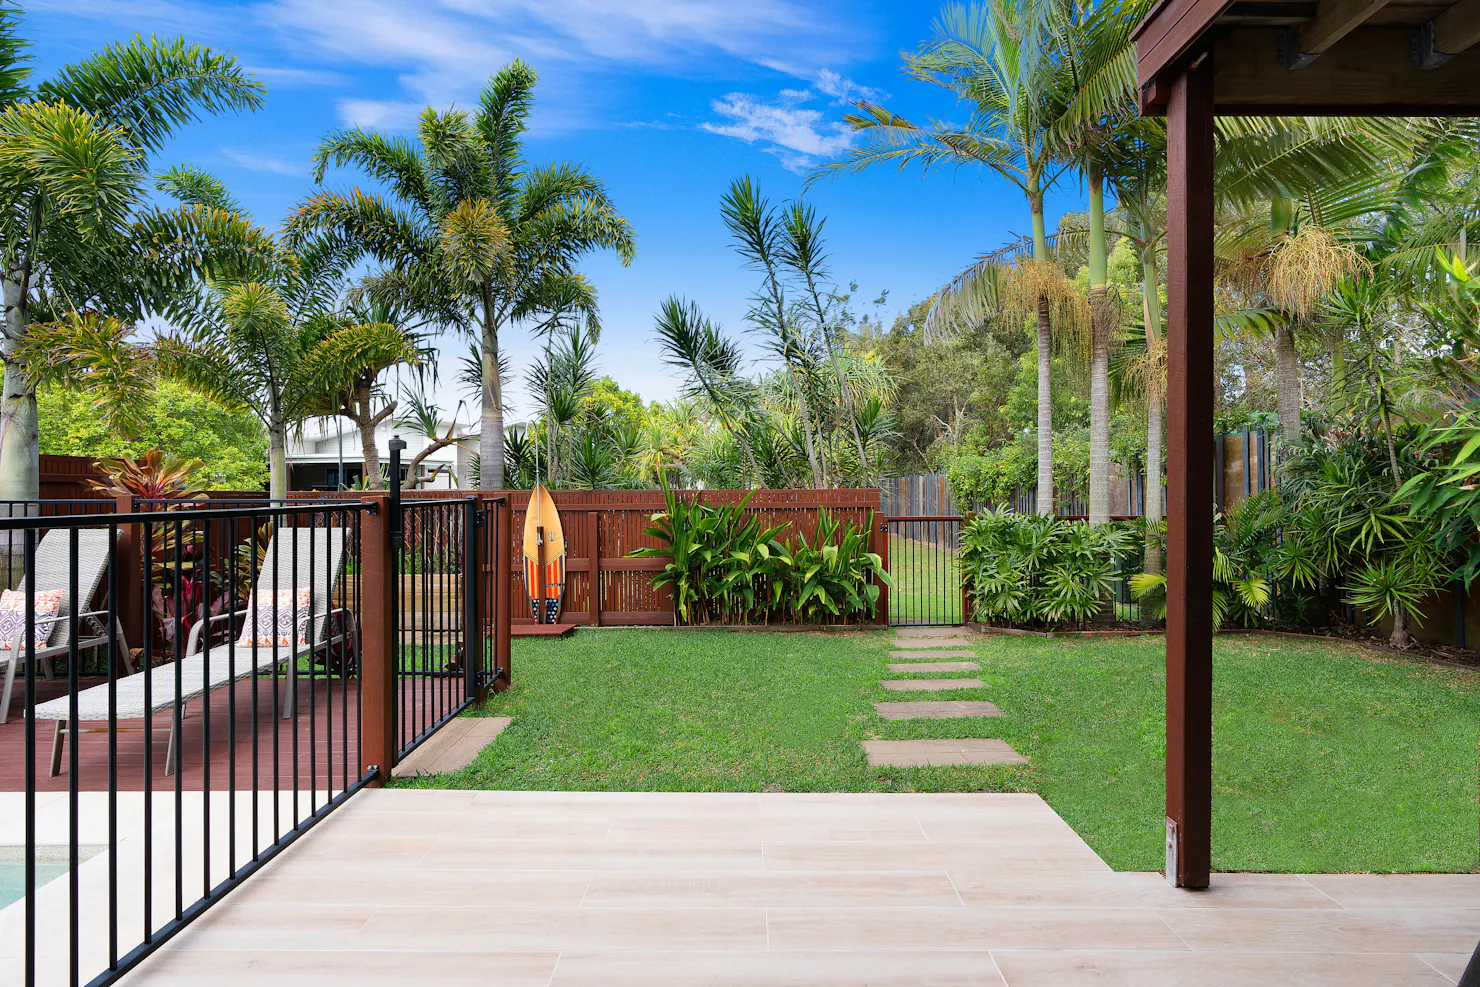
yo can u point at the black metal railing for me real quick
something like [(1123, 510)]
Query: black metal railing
[(925, 566), (229, 728)]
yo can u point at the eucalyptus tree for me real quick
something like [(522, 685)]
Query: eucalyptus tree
[(77, 234), (470, 235), (990, 55)]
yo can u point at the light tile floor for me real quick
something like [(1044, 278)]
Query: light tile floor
[(670, 890)]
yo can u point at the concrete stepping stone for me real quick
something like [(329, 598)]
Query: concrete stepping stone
[(934, 666), (939, 753), (453, 747), (931, 655), (934, 642), (931, 685), (929, 631), (937, 709)]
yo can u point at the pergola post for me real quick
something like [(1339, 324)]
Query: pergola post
[(1189, 557)]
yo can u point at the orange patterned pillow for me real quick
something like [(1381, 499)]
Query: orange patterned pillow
[(277, 622), (13, 618)]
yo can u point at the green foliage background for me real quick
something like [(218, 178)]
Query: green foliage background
[(232, 444)]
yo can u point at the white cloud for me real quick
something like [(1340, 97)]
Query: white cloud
[(844, 90), (256, 161), (379, 114), (277, 76), (783, 127)]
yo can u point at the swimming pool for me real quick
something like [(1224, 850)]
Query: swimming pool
[(13, 879)]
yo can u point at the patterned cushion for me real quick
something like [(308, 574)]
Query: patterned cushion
[(13, 617), (280, 622)]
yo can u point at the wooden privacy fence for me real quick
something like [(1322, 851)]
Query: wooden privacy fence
[(602, 527)]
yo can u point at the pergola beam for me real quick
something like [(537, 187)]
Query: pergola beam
[(1334, 20), (1189, 559), (1453, 32)]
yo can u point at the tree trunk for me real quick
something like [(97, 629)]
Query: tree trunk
[(368, 450), (1151, 305), (1400, 637), (20, 440), (277, 460), (1045, 412), (1287, 382), (491, 435), (1045, 360), (806, 409), (1101, 328)]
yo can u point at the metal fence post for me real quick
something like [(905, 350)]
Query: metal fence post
[(503, 653), (472, 624), (378, 739), (881, 548)]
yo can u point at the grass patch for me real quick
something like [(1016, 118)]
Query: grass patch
[(1327, 757), (927, 580)]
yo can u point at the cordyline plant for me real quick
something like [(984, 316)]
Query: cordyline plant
[(154, 476)]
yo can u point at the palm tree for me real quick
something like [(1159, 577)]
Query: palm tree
[(1092, 44), (78, 234), (470, 238), (989, 54), (272, 339)]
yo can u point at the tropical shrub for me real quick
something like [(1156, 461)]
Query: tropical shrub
[(1028, 569), (724, 566)]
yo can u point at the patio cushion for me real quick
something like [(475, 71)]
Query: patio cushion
[(13, 617), (278, 621)]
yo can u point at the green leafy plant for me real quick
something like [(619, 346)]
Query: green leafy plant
[(1034, 570)]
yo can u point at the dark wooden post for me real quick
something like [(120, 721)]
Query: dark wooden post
[(880, 538), (593, 555), (378, 638), (503, 603), (129, 606), (1189, 637)]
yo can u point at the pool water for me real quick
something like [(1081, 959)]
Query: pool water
[(13, 879)]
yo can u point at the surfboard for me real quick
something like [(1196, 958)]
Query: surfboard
[(542, 522)]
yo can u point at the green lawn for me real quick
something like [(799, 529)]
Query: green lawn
[(1328, 758)]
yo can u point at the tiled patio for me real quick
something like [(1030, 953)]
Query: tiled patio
[(655, 889)]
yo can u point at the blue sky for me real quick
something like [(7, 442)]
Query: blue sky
[(666, 100)]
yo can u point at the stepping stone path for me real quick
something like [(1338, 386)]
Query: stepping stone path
[(921, 651), (939, 709), (921, 667), (939, 753)]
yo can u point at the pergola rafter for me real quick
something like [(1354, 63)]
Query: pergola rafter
[(1197, 59)]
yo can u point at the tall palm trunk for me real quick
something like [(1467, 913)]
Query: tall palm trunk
[(1287, 383), (1151, 305), (20, 437), (1045, 364), (491, 434), (277, 460), (1101, 328)]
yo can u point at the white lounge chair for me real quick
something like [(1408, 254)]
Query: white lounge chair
[(53, 565), (319, 561)]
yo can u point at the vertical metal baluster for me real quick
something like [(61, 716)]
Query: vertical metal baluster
[(330, 516), (74, 928), (254, 605), (148, 846), (177, 737), (28, 568), (113, 643), (232, 534), (277, 557), (313, 763), (360, 663), (205, 696), (293, 670)]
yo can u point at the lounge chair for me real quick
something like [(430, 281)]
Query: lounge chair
[(319, 558), (53, 558)]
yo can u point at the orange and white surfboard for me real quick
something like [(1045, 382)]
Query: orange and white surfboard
[(542, 529)]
